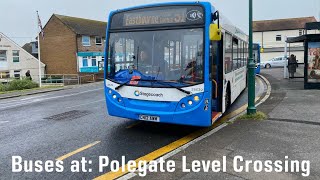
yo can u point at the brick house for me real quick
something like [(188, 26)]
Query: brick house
[(73, 45)]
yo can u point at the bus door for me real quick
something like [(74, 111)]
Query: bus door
[(216, 59)]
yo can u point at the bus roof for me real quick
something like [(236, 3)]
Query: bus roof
[(229, 27)]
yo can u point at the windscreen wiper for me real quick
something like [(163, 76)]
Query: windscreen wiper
[(154, 81), (121, 85), (165, 83)]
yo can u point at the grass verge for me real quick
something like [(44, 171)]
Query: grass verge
[(27, 90), (259, 116)]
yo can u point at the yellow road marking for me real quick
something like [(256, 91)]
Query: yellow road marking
[(172, 146), (155, 154), (134, 124), (77, 151)]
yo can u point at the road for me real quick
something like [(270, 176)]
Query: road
[(72, 124)]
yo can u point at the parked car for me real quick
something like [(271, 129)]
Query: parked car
[(274, 62)]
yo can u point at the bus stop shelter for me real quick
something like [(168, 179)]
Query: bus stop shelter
[(311, 55)]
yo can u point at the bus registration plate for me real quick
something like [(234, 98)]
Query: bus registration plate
[(149, 118)]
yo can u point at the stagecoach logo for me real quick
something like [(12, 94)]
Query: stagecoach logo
[(136, 93), (140, 93), (194, 15)]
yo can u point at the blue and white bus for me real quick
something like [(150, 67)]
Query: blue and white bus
[(257, 57), (179, 63)]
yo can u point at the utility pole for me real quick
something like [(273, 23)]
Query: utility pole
[(251, 67)]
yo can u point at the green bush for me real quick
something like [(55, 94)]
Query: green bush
[(18, 84), (2, 87)]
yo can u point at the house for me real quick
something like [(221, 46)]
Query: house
[(32, 48), (73, 45), (271, 35), (15, 61)]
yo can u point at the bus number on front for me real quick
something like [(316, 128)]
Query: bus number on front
[(197, 89)]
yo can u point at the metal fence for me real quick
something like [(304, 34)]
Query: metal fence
[(59, 79)]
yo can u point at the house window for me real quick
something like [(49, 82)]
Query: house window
[(301, 32), (5, 74), (98, 40), (94, 61), (17, 74), (85, 62), (15, 56), (101, 65), (3, 55), (278, 38), (86, 40)]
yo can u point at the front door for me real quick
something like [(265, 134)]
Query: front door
[(216, 60)]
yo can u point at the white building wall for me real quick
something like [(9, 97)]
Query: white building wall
[(268, 40), (270, 55), (26, 60)]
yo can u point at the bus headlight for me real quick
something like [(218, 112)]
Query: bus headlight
[(119, 100), (110, 92), (114, 96), (190, 102)]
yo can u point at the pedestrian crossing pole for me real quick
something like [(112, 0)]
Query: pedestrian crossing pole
[(251, 68)]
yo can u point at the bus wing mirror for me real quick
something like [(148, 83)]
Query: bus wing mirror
[(215, 32)]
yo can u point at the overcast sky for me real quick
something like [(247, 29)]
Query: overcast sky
[(18, 18)]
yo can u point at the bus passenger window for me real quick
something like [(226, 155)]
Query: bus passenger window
[(228, 53), (235, 54)]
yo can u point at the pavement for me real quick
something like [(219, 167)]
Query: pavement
[(291, 132)]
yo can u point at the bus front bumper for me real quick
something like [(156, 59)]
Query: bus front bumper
[(199, 115)]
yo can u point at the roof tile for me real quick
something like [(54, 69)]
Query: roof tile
[(282, 24), (83, 26)]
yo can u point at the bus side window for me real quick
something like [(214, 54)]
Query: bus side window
[(235, 56), (228, 54)]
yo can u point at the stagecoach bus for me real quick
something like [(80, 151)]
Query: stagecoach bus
[(179, 63)]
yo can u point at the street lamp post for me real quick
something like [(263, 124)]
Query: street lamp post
[(251, 67)]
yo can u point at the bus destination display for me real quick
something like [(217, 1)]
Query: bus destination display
[(159, 16), (155, 17)]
